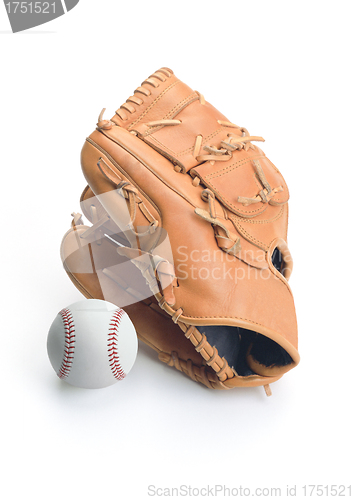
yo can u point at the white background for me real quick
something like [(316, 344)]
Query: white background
[(282, 69)]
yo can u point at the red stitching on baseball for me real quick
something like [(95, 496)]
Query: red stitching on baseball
[(112, 344), (69, 331)]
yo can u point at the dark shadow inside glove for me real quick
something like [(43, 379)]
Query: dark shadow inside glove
[(226, 339), (233, 343), (277, 259), (265, 350)]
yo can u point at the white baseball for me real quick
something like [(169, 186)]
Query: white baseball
[(92, 344)]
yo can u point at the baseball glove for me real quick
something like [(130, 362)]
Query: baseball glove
[(188, 234)]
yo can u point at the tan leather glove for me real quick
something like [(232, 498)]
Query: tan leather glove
[(189, 224)]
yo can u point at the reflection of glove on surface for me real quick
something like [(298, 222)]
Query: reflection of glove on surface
[(200, 212)]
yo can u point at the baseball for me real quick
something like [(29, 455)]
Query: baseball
[(92, 344)]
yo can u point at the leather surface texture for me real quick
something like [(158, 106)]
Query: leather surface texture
[(197, 214)]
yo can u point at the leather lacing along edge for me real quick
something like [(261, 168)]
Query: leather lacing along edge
[(210, 354), (200, 342), (224, 153), (201, 374), (154, 81)]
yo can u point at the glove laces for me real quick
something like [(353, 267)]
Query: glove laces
[(266, 194)]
